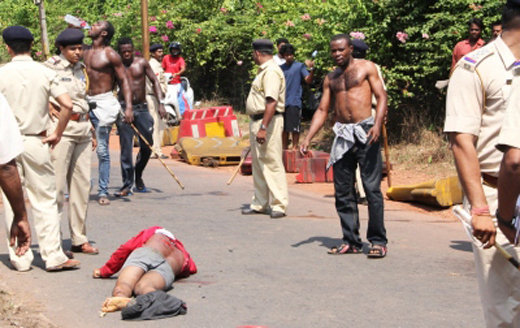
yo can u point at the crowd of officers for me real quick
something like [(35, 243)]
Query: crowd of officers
[(482, 119)]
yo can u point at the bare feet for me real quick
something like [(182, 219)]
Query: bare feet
[(113, 304), (103, 200)]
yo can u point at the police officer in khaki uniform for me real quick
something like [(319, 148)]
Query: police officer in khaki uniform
[(265, 105), (157, 53), (72, 156), (476, 103), (27, 86)]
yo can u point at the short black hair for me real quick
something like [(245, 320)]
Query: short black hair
[(124, 40), (281, 40), (287, 49), (511, 17), (476, 21), (496, 23), (110, 32), (20, 47), (341, 37)]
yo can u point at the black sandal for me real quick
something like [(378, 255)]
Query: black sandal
[(345, 249), (377, 252)]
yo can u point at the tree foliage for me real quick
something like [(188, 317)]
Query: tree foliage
[(216, 36)]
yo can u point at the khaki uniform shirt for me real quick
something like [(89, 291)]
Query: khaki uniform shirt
[(510, 133), (11, 144), (73, 78), (269, 82), (159, 72), (476, 101), (27, 86)]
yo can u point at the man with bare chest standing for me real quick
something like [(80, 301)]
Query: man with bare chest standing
[(351, 86), (103, 66), (137, 69)]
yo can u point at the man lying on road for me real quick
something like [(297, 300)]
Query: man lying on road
[(151, 261)]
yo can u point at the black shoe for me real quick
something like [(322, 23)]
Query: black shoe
[(249, 211), (363, 201), (277, 215)]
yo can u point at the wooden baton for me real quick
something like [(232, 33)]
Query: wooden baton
[(238, 167)]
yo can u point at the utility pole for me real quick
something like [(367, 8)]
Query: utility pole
[(43, 28), (146, 31)]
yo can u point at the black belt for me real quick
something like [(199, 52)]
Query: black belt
[(257, 117), (490, 180), (142, 107)]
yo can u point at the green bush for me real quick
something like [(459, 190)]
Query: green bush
[(216, 36)]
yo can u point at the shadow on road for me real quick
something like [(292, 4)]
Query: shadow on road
[(326, 242), (461, 245)]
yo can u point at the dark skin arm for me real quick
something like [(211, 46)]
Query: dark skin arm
[(157, 88), (65, 112), (119, 68), (308, 78), (270, 109), (468, 169), (379, 91), (12, 188), (319, 117), (508, 190), (183, 69)]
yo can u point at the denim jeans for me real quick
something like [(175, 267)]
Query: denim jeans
[(143, 121), (103, 153), (370, 162)]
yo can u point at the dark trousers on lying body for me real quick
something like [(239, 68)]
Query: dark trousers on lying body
[(370, 163), (143, 121)]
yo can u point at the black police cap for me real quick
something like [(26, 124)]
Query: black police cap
[(155, 47), (262, 44), (359, 45), (513, 3), (17, 34), (70, 36)]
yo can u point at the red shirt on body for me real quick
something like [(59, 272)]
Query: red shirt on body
[(119, 257), (173, 65), (462, 49)]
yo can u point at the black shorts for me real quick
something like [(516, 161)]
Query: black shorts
[(292, 117)]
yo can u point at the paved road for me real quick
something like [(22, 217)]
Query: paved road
[(270, 273)]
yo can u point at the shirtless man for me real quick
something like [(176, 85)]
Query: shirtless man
[(351, 85), (136, 69), (104, 65), (153, 260)]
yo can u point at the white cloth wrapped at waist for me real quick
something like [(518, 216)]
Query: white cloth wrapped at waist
[(107, 108), (346, 136), (166, 233)]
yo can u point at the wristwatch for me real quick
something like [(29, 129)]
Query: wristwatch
[(161, 102), (263, 127)]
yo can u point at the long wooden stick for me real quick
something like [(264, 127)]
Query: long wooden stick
[(157, 154), (387, 157), (238, 167)]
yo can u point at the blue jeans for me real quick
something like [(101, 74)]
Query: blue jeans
[(143, 121), (103, 153)]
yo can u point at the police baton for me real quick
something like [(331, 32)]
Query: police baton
[(154, 151), (239, 166)]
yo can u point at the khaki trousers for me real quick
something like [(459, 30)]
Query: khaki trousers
[(268, 170), (37, 174), (72, 159), (158, 123), (499, 281)]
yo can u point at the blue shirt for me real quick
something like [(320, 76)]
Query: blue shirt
[(294, 75)]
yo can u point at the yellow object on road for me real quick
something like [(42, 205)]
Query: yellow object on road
[(211, 151), (444, 192)]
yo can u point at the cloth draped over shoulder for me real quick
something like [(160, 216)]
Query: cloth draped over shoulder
[(346, 136)]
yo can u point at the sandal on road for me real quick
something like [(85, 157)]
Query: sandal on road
[(345, 249), (103, 200), (377, 252), (123, 193)]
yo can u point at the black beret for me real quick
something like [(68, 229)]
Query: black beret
[(359, 45), (155, 47), (513, 3), (263, 44), (17, 33), (70, 36)]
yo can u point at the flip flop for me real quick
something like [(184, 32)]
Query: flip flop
[(103, 200), (345, 249), (377, 252)]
